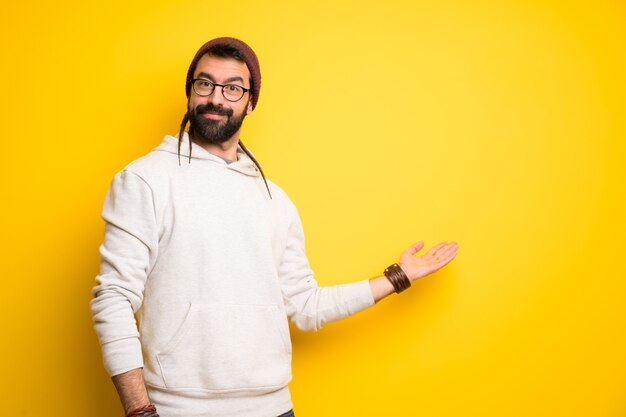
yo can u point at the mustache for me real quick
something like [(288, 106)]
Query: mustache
[(205, 108)]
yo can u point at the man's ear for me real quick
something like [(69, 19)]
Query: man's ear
[(249, 109)]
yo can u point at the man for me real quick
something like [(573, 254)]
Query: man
[(210, 255)]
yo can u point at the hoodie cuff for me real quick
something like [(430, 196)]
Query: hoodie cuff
[(122, 355)]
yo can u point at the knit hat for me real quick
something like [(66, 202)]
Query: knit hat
[(249, 58)]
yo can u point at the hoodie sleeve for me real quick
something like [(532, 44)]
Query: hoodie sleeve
[(308, 305), (127, 254)]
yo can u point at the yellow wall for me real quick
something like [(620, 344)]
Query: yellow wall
[(500, 125)]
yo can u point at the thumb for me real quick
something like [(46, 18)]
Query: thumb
[(415, 248)]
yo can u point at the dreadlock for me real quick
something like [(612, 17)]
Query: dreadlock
[(180, 136), (257, 165)]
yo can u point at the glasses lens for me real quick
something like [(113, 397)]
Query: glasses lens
[(203, 87), (233, 92)]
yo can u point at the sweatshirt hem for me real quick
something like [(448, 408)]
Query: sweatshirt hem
[(199, 404)]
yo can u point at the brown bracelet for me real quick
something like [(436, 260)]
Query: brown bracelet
[(398, 278), (143, 411)]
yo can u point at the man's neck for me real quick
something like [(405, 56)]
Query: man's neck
[(227, 150)]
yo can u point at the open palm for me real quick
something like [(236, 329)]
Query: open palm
[(418, 266)]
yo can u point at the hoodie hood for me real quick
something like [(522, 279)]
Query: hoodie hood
[(243, 163)]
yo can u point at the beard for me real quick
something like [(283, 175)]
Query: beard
[(211, 131)]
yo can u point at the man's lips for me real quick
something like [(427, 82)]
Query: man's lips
[(215, 116)]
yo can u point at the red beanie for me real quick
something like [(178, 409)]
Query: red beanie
[(249, 58)]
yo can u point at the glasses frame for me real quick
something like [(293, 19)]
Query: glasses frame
[(193, 85)]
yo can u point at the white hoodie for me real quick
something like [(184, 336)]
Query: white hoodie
[(213, 267)]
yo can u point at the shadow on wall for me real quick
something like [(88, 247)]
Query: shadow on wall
[(81, 344)]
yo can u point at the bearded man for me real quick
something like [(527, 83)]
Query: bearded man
[(209, 255)]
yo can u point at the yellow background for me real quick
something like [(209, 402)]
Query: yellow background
[(499, 125)]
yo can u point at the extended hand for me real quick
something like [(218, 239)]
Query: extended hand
[(418, 266)]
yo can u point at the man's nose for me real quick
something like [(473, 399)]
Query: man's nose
[(217, 98)]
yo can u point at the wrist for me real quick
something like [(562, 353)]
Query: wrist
[(405, 269), (148, 410)]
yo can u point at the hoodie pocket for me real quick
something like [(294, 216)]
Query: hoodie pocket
[(225, 347)]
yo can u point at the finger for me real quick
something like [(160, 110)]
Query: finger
[(448, 256), (447, 259), (446, 250), (440, 263), (434, 249), (415, 248)]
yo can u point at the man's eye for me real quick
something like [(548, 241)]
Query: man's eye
[(205, 84), (232, 88)]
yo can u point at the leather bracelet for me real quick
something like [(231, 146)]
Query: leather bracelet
[(143, 411), (398, 278)]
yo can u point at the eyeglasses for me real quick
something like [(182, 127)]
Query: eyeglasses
[(231, 92)]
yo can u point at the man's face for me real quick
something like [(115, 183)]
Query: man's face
[(213, 118)]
